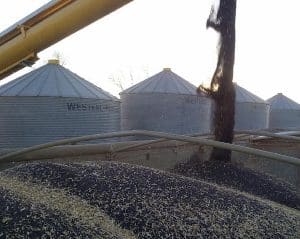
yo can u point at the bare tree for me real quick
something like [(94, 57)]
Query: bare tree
[(123, 79), (221, 88), (118, 82), (59, 56)]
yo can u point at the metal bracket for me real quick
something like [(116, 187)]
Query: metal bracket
[(23, 29), (26, 61)]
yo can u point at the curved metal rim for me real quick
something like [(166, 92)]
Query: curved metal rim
[(274, 156)]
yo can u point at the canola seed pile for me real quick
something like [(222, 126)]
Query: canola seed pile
[(242, 179), (115, 200)]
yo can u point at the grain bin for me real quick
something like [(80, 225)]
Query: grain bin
[(52, 103), (251, 112), (284, 113), (165, 102)]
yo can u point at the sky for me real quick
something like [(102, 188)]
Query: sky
[(143, 37)]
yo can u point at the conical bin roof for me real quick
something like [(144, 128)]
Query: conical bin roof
[(242, 95), (280, 101), (53, 80), (165, 81)]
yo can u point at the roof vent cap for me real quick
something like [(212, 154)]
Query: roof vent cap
[(167, 69), (53, 61)]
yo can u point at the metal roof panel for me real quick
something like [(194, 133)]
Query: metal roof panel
[(165, 81), (243, 95), (280, 101), (53, 80)]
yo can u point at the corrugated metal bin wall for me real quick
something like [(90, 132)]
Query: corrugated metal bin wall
[(26, 121), (251, 116), (284, 119), (174, 113)]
